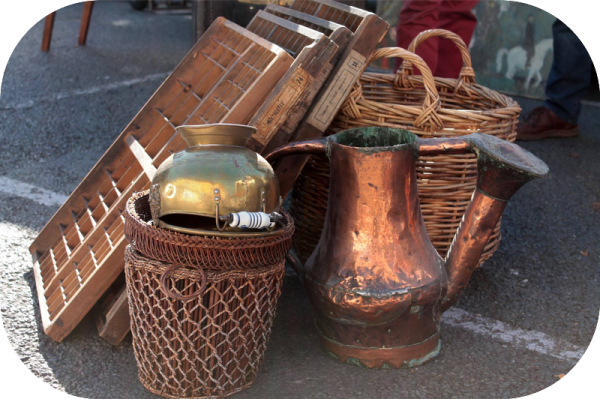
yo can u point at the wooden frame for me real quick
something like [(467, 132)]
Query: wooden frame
[(337, 33), (278, 117), (79, 253), (368, 31), (113, 318)]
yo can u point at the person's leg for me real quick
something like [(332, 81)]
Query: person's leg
[(568, 81), (457, 17), (569, 78), (415, 17)]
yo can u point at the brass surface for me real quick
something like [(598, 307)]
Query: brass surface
[(376, 283), (215, 175)]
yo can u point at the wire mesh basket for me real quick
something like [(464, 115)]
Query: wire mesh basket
[(211, 253), (196, 333)]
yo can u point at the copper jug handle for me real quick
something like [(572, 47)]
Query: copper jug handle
[(309, 147), (318, 146)]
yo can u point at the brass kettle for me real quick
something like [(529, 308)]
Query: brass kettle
[(377, 285), (194, 190)]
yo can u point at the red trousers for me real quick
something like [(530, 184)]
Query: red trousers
[(441, 55)]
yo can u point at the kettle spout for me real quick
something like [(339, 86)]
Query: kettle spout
[(502, 169)]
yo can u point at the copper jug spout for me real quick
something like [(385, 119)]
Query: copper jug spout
[(502, 169), (377, 285)]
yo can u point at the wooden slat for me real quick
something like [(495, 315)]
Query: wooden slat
[(48, 28), (338, 34), (88, 7), (97, 249), (300, 18), (368, 30), (290, 26), (334, 11), (113, 319), (142, 156)]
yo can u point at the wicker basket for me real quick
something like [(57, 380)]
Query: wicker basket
[(429, 107), (211, 253), (201, 307), (199, 334)]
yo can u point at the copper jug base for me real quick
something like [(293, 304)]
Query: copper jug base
[(384, 358)]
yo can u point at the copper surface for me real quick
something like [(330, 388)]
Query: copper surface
[(376, 283), (400, 357)]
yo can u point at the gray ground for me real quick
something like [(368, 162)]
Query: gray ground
[(538, 280)]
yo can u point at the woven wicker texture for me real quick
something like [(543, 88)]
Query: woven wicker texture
[(209, 346), (211, 253), (429, 107)]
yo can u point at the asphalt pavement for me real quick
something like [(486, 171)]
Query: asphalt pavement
[(527, 315)]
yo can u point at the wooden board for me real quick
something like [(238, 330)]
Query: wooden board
[(79, 253), (337, 33), (278, 117), (113, 319), (368, 31)]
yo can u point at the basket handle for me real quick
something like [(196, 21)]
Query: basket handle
[(431, 104), (173, 295), (466, 75)]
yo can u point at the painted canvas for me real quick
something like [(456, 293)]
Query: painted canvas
[(511, 49)]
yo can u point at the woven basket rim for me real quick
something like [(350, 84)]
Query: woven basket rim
[(449, 83), (186, 240), (508, 105)]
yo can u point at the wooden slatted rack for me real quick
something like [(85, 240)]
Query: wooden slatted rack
[(313, 52), (291, 37), (79, 253), (337, 33), (285, 107), (368, 30)]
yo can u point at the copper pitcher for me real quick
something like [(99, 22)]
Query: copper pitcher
[(377, 285)]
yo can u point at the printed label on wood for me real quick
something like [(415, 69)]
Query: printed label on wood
[(282, 105), (337, 91), (292, 120)]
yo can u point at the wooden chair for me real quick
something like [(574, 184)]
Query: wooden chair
[(88, 6)]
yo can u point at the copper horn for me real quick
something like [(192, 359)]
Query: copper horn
[(308, 147), (375, 281), (502, 169)]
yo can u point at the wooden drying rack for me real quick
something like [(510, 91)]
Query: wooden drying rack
[(313, 52), (73, 271)]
